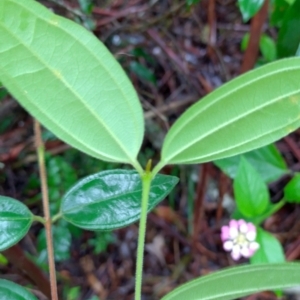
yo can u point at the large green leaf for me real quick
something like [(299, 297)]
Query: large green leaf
[(238, 282), (267, 161), (270, 250), (12, 291), (250, 191), (15, 221), (249, 112), (66, 78), (112, 199)]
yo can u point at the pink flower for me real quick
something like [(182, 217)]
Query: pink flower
[(239, 239)]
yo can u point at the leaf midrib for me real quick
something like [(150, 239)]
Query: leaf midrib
[(216, 100), (237, 145), (217, 128), (110, 198)]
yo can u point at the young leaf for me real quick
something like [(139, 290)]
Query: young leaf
[(236, 282), (267, 161), (13, 291), (270, 250), (251, 193), (111, 199), (292, 190), (15, 221), (249, 8), (249, 112), (67, 79)]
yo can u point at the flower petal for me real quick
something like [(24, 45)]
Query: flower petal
[(233, 232), (251, 236), (225, 233), (235, 253), (228, 245), (233, 223), (246, 252), (242, 225), (254, 246)]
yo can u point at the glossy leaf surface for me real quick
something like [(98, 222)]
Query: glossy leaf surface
[(292, 190), (15, 221), (13, 291), (111, 199), (270, 250), (289, 33), (251, 193), (238, 282), (267, 161), (249, 8), (67, 79), (249, 112)]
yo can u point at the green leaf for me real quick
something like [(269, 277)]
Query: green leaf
[(268, 48), (267, 161), (111, 199), (249, 112), (289, 33), (67, 79), (251, 193), (13, 291), (15, 221), (3, 93), (249, 8), (245, 41), (270, 250), (238, 282), (192, 2), (257, 220), (86, 6), (142, 72), (61, 243), (279, 8), (292, 190)]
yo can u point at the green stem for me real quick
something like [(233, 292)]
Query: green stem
[(56, 217), (146, 183), (158, 167), (39, 219)]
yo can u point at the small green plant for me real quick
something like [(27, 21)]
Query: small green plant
[(70, 82)]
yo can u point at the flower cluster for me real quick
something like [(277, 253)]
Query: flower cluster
[(239, 238)]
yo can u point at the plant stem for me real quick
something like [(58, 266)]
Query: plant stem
[(56, 217), (39, 219), (157, 168), (146, 183), (45, 198)]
